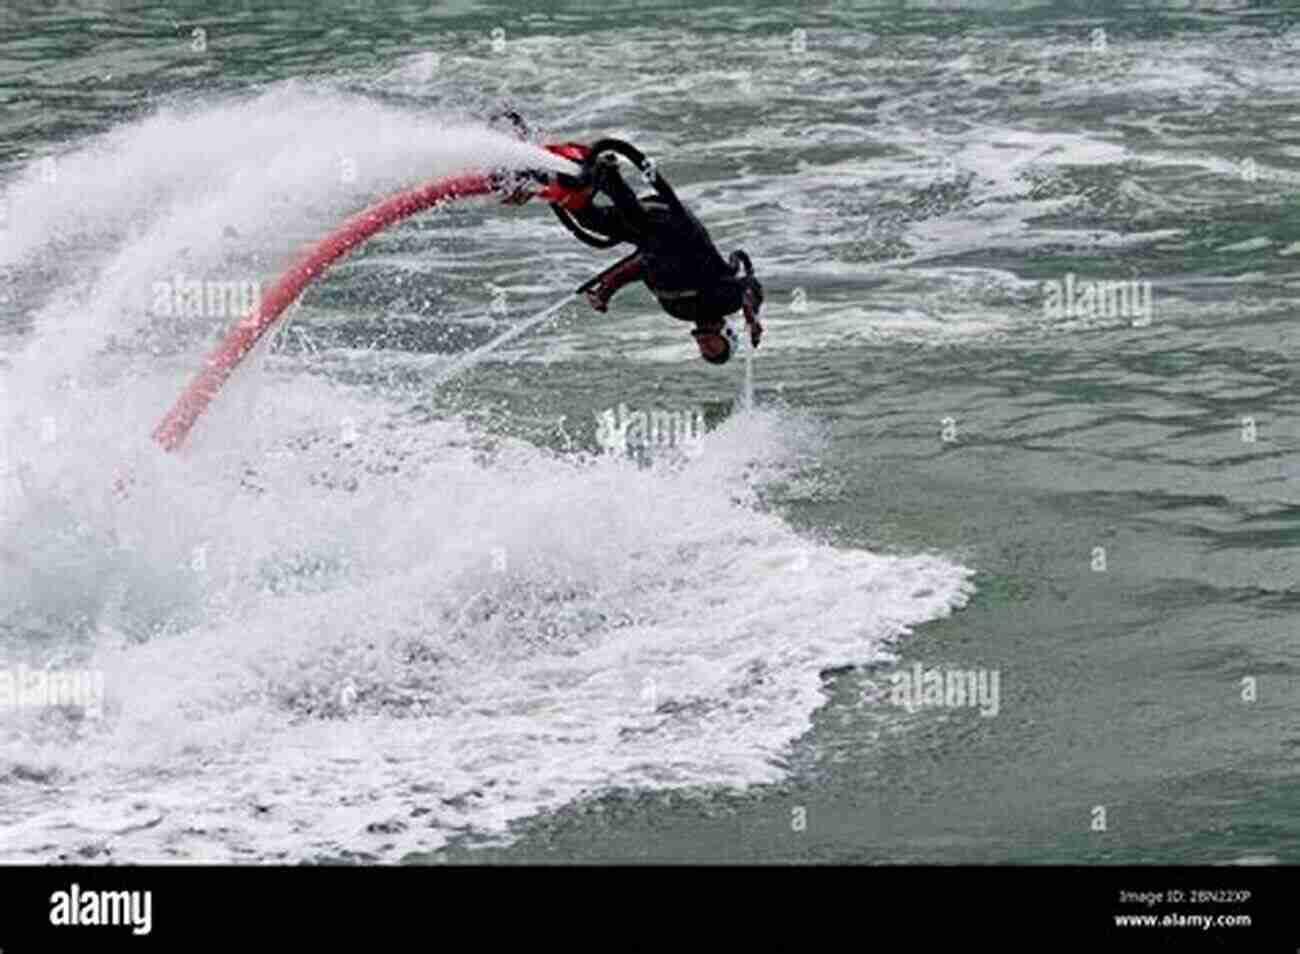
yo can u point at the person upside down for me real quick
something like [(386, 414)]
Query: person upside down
[(675, 256)]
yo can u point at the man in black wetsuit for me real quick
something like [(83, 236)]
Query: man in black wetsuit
[(674, 256)]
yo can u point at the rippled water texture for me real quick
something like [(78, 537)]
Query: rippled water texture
[(1024, 409)]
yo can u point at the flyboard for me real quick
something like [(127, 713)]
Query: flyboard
[(514, 186), (562, 191)]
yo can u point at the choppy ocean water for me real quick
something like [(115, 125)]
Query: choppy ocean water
[(1019, 426)]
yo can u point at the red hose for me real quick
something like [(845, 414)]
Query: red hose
[(175, 427)]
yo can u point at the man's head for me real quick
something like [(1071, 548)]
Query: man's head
[(716, 341)]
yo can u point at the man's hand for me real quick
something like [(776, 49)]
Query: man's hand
[(607, 283), (598, 298)]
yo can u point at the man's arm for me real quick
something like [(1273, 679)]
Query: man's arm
[(751, 302), (602, 288)]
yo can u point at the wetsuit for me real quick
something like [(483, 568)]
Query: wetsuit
[(675, 256)]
